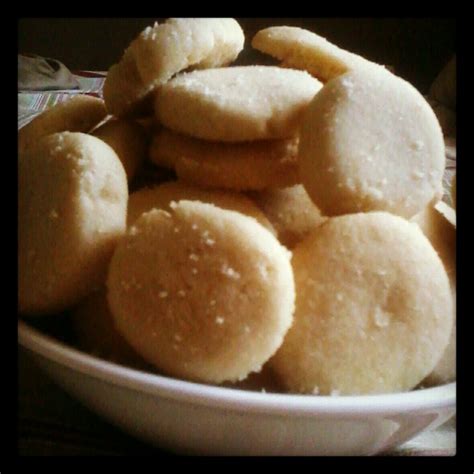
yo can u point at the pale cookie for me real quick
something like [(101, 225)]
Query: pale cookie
[(95, 331), (237, 166), (236, 104), (203, 293), (78, 114), (373, 308), (302, 49), (125, 94), (370, 141), (128, 139), (72, 205), (291, 212), (161, 51), (161, 197), (438, 223)]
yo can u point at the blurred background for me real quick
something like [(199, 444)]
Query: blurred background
[(417, 48)]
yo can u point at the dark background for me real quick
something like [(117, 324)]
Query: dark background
[(416, 47)]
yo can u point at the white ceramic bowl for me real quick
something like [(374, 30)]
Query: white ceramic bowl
[(199, 419)]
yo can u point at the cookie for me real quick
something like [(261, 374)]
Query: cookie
[(128, 139), (302, 49), (202, 293), (236, 166), (370, 141), (72, 204), (161, 197), (373, 308), (95, 331), (236, 104), (291, 212), (125, 94), (78, 114), (161, 51), (438, 223)]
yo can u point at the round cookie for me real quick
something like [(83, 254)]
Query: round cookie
[(237, 166), (78, 114), (236, 104), (161, 197), (203, 293), (302, 49), (373, 308), (125, 94), (128, 139), (438, 223), (291, 212), (370, 141), (161, 51), (72, 204), (96, 333)]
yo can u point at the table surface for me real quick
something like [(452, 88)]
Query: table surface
[(52, 423)]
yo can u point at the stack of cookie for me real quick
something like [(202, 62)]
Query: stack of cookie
[(283, 247)]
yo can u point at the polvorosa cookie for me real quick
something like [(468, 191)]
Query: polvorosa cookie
[(373, 308), (236, 104), (163, 50), (291, 212), (302, 49), (370, 141), (78, 114), (202, 293), (72, 205), (237, 166), (128, 139), (96, 333), (438, 223), (161, 197)]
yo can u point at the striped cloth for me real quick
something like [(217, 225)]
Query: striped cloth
[(43, 429), (31, 103)]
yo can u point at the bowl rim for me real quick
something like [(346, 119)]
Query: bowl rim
[(355, 406)]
